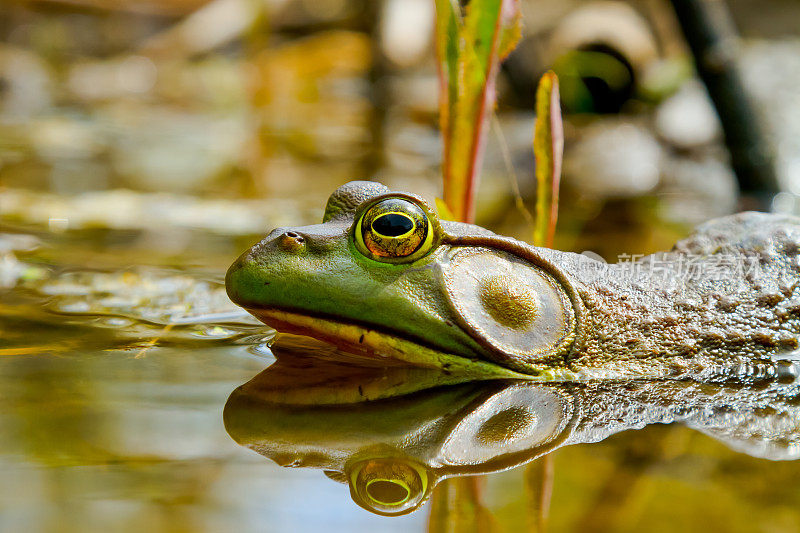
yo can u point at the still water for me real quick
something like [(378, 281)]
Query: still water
[(142, 399)]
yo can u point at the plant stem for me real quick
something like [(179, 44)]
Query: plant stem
[(712, 38)]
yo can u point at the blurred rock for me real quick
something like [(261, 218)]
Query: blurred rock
[(25, 83), (613, 24), (688, 118), (786, 203), (407, 29), (212, 25), (120, 77), (771, 71), (58, 137), (163, 149), (613, 158)]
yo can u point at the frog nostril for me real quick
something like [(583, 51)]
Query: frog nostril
[(296, 236), (291, 241)]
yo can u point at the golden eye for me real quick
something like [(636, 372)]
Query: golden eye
[(394, 229), (388, 486)]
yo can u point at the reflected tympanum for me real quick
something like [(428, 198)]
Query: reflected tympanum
[(392, 433)]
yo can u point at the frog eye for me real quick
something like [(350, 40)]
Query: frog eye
[(388, 486), (394, 230)]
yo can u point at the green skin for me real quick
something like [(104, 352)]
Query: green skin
[(620, 320)]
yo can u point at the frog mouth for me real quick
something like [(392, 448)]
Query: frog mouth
[(388, 349)]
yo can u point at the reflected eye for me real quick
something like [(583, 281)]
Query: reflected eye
[(392, 229), (388, 486)]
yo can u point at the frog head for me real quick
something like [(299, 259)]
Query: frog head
[(382, 276)]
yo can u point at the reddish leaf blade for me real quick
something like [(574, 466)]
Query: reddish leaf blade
[(469, 50)]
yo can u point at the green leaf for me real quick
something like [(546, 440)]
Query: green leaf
[(469, 48), (548, 148), (443, 210)]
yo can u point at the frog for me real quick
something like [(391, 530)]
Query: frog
[(387, 280)]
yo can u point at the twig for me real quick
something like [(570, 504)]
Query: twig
[(712, 38)]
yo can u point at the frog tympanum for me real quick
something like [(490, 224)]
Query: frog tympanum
[(383, 277)]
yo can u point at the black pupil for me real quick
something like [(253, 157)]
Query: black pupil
[(392, 225)]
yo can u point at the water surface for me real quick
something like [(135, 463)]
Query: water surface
[(116, 382)]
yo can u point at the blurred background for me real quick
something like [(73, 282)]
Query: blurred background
[(174, 133), (234, 116)]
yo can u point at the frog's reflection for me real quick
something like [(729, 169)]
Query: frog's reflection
[(393, 451), (393, 433)]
